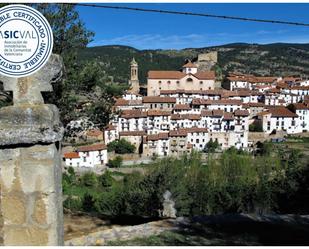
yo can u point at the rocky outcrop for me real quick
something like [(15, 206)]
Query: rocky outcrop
[(101, 238)]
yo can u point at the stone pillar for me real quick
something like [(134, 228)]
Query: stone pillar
[(30, 162)]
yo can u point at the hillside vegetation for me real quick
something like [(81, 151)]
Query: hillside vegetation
[(271, 59)]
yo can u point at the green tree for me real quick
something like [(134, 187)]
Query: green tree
[(256, 127), (121, 146), (211, 146), (69, 31)]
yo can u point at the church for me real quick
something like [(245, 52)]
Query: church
[(188, 79)]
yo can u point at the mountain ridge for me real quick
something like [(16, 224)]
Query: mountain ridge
[(278, 59)]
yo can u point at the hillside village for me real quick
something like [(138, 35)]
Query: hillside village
[(189, 109)]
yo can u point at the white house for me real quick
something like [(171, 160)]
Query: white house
[(198, 137), (87, 156), (303, 113), (279, 119), (156, 144), (72, 159), (110, 133)]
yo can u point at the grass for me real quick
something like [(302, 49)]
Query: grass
[(241, 233)]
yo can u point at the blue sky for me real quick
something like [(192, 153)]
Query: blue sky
[(162, 31)]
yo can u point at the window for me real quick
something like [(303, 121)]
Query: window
[(201, 82), (168, 82), (177, 81), (189, 80), (160, 81)]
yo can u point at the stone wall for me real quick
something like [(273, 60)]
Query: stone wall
[(30, 161)]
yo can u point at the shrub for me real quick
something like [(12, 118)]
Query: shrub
[(72, 203), (106, 180), (88, 202), (116, 162), (121, 146), (110, 202), (89, 179), (256, 127)]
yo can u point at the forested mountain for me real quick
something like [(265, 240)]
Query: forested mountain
[(271, 59)]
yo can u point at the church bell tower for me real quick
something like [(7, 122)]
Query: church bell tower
[(134, 82)]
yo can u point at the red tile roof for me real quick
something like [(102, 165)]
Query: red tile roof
[(165, 75), (252, 79), (253, 104), (94, 147), (132, 133), (156, 137), (182, 107), (158, 113), (217, 113), (263, 113), (300, 106), (178, 133), (121, 102), (299, 88), (241, 113), (110, 127), (71, 155), (280, 111), (158, 99), (216, 102), (196, 130), (228, 116), (212, 113), (133, 114), (185, 116), (207, 75)]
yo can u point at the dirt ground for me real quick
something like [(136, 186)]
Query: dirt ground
[(76, 225)]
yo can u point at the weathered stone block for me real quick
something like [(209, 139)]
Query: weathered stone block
[(21, 236), (27, 90), (14, 210), (39, 213), (30, 125)]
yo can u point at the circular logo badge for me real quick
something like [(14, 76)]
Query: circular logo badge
[(26, 40)]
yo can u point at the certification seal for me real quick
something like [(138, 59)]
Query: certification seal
[(26, 40)]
